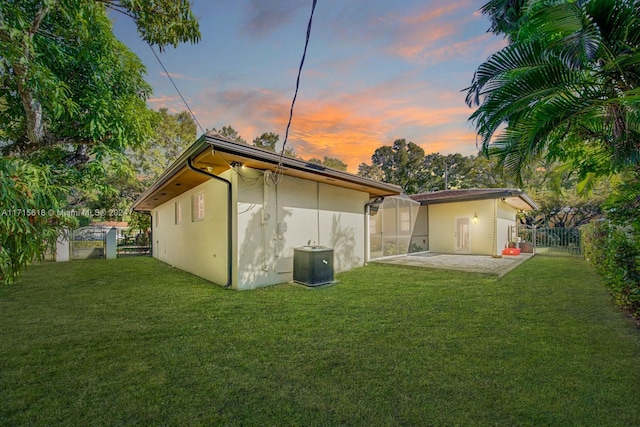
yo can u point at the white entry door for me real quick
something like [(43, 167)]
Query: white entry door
[(461, 233)]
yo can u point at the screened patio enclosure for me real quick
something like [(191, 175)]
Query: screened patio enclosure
[(391, 225)]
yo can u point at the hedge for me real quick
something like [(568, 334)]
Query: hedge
[(615, 253)]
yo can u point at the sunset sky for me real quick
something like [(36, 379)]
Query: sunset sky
[(375, 71)]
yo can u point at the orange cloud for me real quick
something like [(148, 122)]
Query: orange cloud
[(417, 37), (163, 100), (180, 76), (412, 46), (352, 127), (173, 104), (349, 126), (334, 130), (431, 14), (451, 141)]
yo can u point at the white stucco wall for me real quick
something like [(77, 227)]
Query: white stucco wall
[(199, 247), (442, 226), (506, 219), (269, 221), (274, 219)]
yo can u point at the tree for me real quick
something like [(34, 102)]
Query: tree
[(456, 167), (230, 133), (401, 164), (72, 99), (68, 81), (266, 141), (566, 87), (505, 15), (556, 189), (173, 134), (30, 205), (330, 162), (623, 204), (371, 171), (485, 173), (406, 165)]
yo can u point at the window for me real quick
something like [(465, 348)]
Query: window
[(178, 212), (405, 223), (197, 212)]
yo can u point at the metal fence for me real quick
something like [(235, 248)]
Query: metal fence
[(133, 250), (134, 245), (553, 241)]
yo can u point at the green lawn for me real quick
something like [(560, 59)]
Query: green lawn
[(134, 341)]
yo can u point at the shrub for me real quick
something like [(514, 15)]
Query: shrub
[(615, 253)]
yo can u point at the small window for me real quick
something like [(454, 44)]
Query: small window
[(178, 212), (197, 213)]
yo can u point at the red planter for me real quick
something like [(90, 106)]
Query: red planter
[(511, 251)]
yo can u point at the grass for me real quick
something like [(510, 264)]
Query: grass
[(134, 341)]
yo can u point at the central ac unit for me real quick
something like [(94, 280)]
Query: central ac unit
[(313, 265)]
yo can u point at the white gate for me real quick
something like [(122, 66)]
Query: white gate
[(88, 242)]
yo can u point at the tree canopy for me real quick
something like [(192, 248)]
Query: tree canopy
[(330, 162), (68, 82), (401, 164), (405, 164), (230, 133), (565, 88), (266, 141), (72, 100), (173, 133)]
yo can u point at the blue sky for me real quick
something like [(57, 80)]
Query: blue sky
[(375, 71)]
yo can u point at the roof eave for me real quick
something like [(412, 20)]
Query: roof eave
[(248, 151), (217, 143), (195, 149), (529, 201), (485, 196)]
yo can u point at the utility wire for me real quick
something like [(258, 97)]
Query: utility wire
[(295, 95), (176, 87)]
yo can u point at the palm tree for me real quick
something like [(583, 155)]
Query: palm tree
[(505, 15), (565, 88)]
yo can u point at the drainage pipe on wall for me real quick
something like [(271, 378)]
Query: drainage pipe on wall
[(367, 243), (229, 219)]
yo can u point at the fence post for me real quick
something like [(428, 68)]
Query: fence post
[(63, 247), (110, 244)]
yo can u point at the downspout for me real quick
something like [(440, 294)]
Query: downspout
[(152, 246), (494, 251), (229, 219), (367, 243)]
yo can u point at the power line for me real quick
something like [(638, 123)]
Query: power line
[(176, 87), (295, 95)]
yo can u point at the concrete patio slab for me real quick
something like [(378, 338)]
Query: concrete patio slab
[(481, 264)]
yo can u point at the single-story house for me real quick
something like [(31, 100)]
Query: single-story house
[(237, 215), (233, 214), (474, 221)]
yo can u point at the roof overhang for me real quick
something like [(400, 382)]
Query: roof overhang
[(513, 197), (215, 155)]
